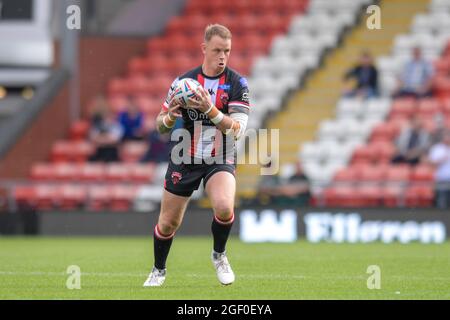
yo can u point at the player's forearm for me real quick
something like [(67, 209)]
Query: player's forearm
[(226, 124), (164, 123)]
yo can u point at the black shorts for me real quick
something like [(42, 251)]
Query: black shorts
[(183, 179)]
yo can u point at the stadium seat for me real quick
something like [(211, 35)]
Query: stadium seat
[(122, 197), (47, 197), (99, 198), (42, 172), (72, 197), (92, 172), (133, 151), (419, 196), (117, 172), (391, 196), (422, 173), (25, 196), (79, 130)]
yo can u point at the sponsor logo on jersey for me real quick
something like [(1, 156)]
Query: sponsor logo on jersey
[(176, 177), (211, 91), (243, 82), (225, 87), (194, 115), (245, 97), (224, 98)]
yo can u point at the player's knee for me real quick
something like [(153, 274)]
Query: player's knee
[(223, 210), (168, 226)]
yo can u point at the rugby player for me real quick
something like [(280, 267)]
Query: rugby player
[(219, 112)]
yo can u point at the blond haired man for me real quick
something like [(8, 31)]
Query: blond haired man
[(215, 119)]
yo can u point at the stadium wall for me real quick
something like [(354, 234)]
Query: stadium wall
[(32, 133), (252, 224), (101, 59)]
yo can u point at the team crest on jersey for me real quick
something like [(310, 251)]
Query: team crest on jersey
[(176, 177), (224, 98)]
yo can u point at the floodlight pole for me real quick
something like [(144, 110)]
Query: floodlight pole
[(69, 57)]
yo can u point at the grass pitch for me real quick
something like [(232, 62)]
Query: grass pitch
[(115, 268)]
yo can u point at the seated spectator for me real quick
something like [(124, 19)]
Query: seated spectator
[(437, 133), (439, 156), (159, 146), (296, 190), (412, 143), (99, 109), (416, 79), (132, 121), (268, 187), (106, 136), (366, 76)]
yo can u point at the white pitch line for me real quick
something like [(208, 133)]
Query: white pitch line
[(242, 276)]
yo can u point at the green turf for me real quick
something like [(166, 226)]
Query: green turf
[(115, 268)]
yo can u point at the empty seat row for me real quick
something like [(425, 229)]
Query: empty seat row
[(71, 197), (79, 151), (385, 173), (376, 196), (127, 172)]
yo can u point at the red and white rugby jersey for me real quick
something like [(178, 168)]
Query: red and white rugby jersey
[(229, 93)]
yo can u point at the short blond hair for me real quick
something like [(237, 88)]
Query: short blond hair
[(217, 30)]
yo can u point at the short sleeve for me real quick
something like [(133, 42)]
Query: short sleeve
[(239, 100), (165, 106), (437, 154)]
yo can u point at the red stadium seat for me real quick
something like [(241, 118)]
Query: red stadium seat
[(79, 130), (142, 173), (419, 196), (399, 173), (363, 154), (117, 86), (428, 107), (72, 197), (403, 107), (391, 196), (117, 172), (122, 197), (99, 198), (25, 196), (133, 151), (66, 172), (384, 132), (47, 197), (422, 173), (93, 172), (372, 173), (348, 174), (368, 195), (42, 172), (383, 151)]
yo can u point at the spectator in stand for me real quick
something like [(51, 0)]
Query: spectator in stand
[(416, 79), (268, 187), (295, 191), (159, 146), (99, 109), (439, 129), (106, 135), (439, 156), (132, 121), (412, 143), (366, 76)]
